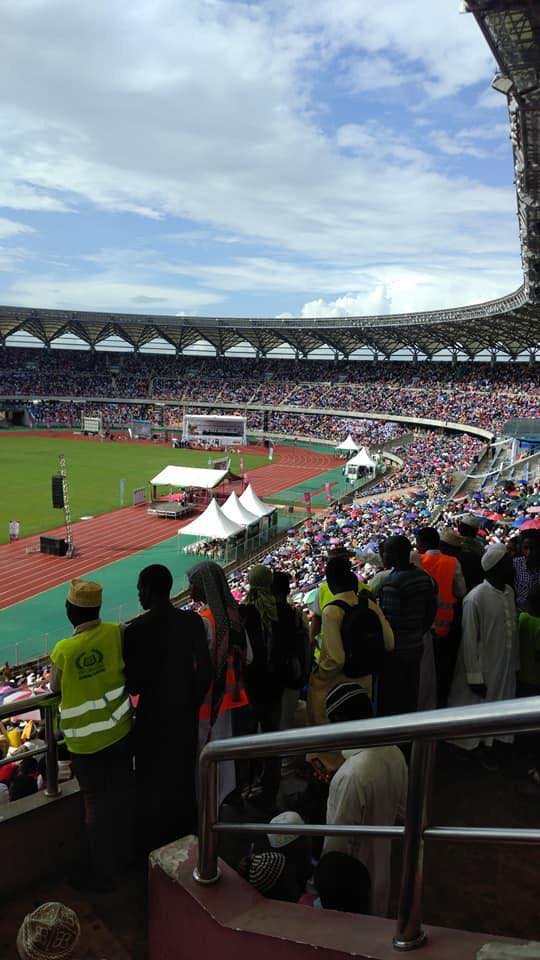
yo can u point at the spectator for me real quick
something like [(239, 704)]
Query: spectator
[(529, 644), (329, 672), (448, 576), (369, 788), (228, 656), (408, 600), (24, 783), (343, 883), (468, 527), (488, 655), (88, 671), (266, 675), (295, 849), (529, 672), (527, 567), (272, 875), (324, 596), (469, 559), (298, 656), (168, 667)]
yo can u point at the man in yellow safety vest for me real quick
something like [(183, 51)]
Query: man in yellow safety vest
[(95, 719)]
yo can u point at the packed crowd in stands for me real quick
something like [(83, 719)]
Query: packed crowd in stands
[(455, 612), (476, 393), (443, 578)]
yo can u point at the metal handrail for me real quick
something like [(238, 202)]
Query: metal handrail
[(423, 729), (48, 703)]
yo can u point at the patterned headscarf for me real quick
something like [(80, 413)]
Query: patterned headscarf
[(210, 582), (261, 596)]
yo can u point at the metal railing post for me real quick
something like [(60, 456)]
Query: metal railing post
[(207, 870), (51, 757), (409, 934)]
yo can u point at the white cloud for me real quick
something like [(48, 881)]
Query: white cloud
[(101, 293), (208, 110), (10, 228)]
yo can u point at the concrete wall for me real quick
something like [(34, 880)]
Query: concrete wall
[(231, 921), (39, 837)]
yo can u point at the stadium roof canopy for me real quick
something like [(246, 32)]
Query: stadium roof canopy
[(509, 325)]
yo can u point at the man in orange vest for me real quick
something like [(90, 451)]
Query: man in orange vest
[(448, 575)]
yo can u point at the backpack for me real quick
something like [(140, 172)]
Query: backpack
[(362, 638)]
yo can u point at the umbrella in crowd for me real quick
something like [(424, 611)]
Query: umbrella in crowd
[(531, 524)]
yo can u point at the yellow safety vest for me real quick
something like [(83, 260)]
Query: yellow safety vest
[(95, 709)]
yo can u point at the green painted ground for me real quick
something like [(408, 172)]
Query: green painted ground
[(32, 627), (95, 469), (296, 493)]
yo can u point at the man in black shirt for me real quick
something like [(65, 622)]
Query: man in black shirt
[(168, 667), (408, 599)]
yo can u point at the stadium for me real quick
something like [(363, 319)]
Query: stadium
[(280, 442)]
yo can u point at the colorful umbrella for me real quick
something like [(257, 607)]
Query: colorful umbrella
[(531, 524)]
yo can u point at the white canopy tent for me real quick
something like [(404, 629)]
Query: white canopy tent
[(234, 509), (347, 446), (362, 459), (213, 524), (186, 477), (254, 504)]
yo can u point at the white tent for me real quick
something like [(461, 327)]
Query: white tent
[(348, 445), (236, 511), (254, 504), (212, 524), (172, 476), (361, 459)]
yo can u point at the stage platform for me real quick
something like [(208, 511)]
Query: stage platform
[(171, 509)]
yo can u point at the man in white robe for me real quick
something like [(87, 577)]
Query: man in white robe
[(369, 788), (489, 651)]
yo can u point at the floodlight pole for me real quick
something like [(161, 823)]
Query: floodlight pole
[(67, 508)]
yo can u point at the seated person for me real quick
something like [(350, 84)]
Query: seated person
[(295, 849), (272, 875), (369, 788), (343, 883)]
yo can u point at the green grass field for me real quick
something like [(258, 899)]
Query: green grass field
[(94, 472)]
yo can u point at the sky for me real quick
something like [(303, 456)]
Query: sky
[(262, 159)]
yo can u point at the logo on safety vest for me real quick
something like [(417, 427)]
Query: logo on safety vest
[(89, 663)]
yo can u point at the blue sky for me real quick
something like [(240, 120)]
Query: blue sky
[(218, 158)]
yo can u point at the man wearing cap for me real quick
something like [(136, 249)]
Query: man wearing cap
[(369, 788), (324, 596), (95, 718), (468, 527), (488, 655), (469, 560)]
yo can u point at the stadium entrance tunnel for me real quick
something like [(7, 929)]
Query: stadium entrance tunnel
[(233, 921)]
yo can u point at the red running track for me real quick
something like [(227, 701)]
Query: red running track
[(113, 536)]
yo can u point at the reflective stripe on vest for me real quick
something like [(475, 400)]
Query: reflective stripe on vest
[(93, 704), (100, 725), (95, 710), (442, 568)]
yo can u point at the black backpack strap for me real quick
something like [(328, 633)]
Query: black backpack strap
[(339, 603)]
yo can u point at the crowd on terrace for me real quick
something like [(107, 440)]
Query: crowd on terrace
[(475, 393)]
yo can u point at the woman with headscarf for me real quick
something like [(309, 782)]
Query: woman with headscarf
[(264, 677), (228, 651)]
